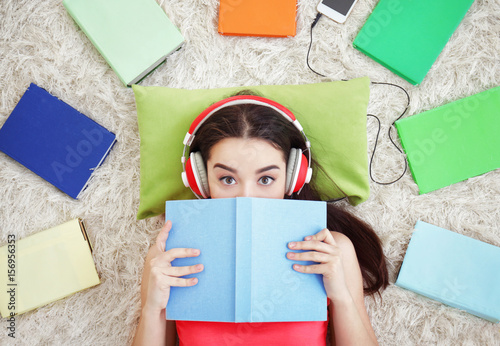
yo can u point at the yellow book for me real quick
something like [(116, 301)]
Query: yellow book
[(45, 267)]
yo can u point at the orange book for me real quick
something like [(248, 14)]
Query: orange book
[(275, 18)]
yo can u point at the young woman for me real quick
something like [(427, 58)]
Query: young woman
[(248, 146)]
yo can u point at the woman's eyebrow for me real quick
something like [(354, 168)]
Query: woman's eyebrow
[(227, 168), (267, 168)]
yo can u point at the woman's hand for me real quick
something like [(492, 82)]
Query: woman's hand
[(333, 252), (323, 249), (159, 275)]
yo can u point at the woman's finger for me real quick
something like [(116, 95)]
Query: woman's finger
[(324, 235), (178, 282), (326, 269), (164, 259), (162, 237), (312, 256), (174, 253), (163, 281), (183, 271), (314, 245)]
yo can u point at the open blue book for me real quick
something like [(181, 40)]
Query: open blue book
[(456, 270), (243, 244)]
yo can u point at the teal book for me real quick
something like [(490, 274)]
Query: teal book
[(454, 269), (407, 36), (134, 36), (243, 245), (454, 142)]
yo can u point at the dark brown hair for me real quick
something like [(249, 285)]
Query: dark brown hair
[(261, 122)]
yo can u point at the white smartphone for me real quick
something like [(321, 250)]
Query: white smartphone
[(338, 10)]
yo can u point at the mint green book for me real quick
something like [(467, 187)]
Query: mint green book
[(134, 36), (407, 36), (453, 142)]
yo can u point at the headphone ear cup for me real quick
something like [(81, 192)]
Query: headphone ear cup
[(297, 172), (291, 169), (304, 174), (189, 179), (200, 174), (195, 175)]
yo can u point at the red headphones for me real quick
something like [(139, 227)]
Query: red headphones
[(194, 173)]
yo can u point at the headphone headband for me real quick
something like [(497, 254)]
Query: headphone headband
[(238, 100)]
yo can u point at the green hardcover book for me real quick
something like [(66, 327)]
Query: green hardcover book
[(453, 142), (134, 36), (407, 36)]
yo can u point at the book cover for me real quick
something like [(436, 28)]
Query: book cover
[(454, 269), (54, 140), (134, 36), (454, 142), (243, 243), (275, 18), (407, 36), (45, 267)]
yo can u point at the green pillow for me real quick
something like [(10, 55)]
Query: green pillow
[(332, 114)]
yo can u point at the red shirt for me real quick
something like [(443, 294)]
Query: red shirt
[(193, 333)]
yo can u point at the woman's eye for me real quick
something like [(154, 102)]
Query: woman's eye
[(228, 180), (266, 180)]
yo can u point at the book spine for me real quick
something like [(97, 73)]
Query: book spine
[(243, 253), (100, 162), (384, 64), (402, 137)]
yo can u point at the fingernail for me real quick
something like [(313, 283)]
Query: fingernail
[(293, 244), (199, 267), (308, 237), (195, 251), (291, 255), (194, 281), (296, 267)]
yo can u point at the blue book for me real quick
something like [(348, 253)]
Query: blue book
[(54, 140), (243, 243), (456, 270)]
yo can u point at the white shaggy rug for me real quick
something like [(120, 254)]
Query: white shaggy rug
[(40, 43)]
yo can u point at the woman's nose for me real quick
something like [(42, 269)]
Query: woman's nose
[(247, 190)]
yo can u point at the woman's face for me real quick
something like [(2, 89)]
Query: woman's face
[(246, 168)]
